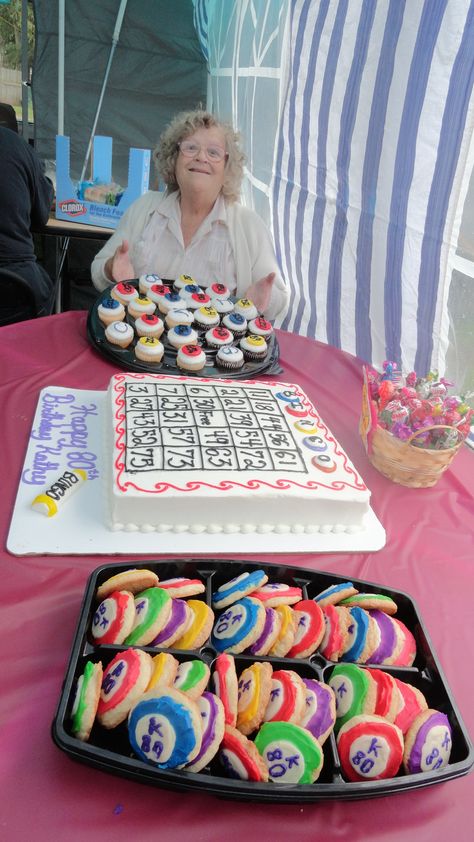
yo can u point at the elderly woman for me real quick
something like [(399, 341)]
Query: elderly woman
[(197, 227)]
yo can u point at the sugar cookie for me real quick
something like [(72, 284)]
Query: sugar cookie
[(369, 748), (291, 754), (86, 700), (125, 680), (253, 697), (164, 728)]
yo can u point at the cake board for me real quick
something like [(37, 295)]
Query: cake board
[(68, 432)]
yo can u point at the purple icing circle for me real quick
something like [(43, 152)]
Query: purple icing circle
[(179, 612), (388, 636), (323, 719), (209, 732), (415, 757), (268, 626)]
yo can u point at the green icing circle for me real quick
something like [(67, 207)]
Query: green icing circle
[(272, 732), (157, 599), (81, 702), (360, 681)]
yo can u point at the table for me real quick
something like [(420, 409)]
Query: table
[(429, 554)]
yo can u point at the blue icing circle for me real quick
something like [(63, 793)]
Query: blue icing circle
[(111, 303), (192, 288), (236, 318), (333, 589), (182, 330), (361, 619), (315, 443), (239, 586), (179, 719), (234, 624), (287, 395), (172, 296)]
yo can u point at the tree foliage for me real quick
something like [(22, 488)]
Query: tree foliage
[(10, 34)]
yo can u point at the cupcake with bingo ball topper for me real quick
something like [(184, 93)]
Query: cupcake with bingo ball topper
[(218, 337), (246, 308), (120, 334), (230, 357), (260, 327), (218, 291), (206, 317), (140, 306), (254, 348), (183, 281), (149, 349), (145, 282), (222, 305), (149, 325), (197, 300), (182, 335), (110, 310), (191, 358), (236, 323), (190, 289), (157, 292), (180, 316), (170, 301), (123, 292)]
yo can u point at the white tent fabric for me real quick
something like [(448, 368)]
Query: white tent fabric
[(371, 104)]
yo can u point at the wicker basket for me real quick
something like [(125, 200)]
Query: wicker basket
[(406, 464)]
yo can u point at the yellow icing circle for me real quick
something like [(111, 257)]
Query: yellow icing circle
[(256, 341), (304, 428), (250, 711), (200, 616)]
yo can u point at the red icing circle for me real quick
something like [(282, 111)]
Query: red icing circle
[(149, 319), (202, 297), (315, 630), (334, 641), (326, 467), (287, 707), (131, 659), (298, 413), (160, 289), (191, 350), (385, 690), (233, 744), (407, 653), (375, 729), (411, 708), (121, 600)]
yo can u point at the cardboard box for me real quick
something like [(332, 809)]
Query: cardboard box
[(70, 203)]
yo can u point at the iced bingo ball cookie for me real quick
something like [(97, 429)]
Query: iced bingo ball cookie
[(411, 703), (405, 654), (369, 748), (152, 611), (180, 586), (334, 594), (337, 621), (192, 678), (371, 601), (286, 635), (164, 728), (134, 580), (269, 635), (239, 757), (86, 700), (149, 325), (224, 677), (213, 724), (238, 587), (200, 626), (387, 637), (113, 619), (191, 358), (165, 667), (149, 349), (287, 697), (357, 635), (355, 691), (310, 627), (119, 333), (180, 619), (291, 754), (123, 292), (125, 680), (145, 282), (387, 699), (239, 626), (428, 743), (372, 639), (319, 713), (276, 593), (253, 696), (110, 310)]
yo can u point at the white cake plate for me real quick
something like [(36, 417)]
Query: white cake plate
[(68, 432)]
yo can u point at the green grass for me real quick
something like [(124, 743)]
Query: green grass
[(19, 112)]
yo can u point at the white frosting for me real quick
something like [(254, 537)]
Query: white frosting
[(183, 448), (368, 756), (166, 740), (285, 762)]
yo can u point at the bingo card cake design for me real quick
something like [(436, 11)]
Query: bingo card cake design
[(202, 455)]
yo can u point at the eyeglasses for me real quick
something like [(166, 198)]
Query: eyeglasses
[(190, 149)]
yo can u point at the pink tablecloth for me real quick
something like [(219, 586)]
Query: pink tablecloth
[(429, 554)]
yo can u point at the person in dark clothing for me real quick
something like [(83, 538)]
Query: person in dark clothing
[(25, 200)]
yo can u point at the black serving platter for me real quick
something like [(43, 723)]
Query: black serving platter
[(110, 750), (125, 357)]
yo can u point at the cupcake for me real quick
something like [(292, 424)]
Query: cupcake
[(218, 291), (123, 292), (179, 316), (149, 325), (222, 305), (218, 337), (236, 323), (206, 317), (197, 300), (182, 335), (149, 349), (183, 281), (140, 306), (110, 310), (254, 347), (246, 308), (119, 333), (145, 282), (170, 301), (261, 327), (191, 358), (230, 357), (189, 289), (157, 292)]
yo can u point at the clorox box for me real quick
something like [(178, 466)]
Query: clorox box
[(99, 201)]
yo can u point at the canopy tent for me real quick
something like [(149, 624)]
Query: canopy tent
[(358, 123)]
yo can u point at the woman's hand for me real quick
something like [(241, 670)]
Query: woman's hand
[(260, 292), (119, 267)]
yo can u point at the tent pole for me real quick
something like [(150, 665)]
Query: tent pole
[(25, 80), (115, 38), (61, 39)]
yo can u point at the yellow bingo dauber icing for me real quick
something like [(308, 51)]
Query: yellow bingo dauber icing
[(52, 498)]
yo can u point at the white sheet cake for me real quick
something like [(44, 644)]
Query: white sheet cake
[(200, 455)]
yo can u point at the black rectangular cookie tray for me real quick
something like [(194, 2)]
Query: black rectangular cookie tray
[(110, 751)]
